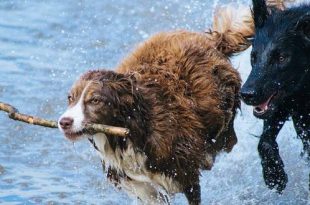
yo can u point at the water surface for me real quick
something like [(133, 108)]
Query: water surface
[(46, 45)]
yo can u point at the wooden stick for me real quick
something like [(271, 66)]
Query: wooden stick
[(90, 128)]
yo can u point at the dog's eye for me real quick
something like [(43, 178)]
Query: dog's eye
[(281, 59), (95, 101)]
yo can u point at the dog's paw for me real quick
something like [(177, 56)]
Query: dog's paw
[(274, 175)]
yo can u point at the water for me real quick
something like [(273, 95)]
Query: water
[(45, 45)]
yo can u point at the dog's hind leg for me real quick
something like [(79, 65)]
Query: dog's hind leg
[(273, 167)]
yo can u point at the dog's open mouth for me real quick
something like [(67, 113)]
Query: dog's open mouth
[(73, 135), (262, 108)]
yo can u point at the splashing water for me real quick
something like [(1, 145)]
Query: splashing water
[(44, 46)]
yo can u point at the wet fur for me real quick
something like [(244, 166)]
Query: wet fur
[(280, 33), (178, 94)]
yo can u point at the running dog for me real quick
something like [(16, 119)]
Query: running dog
[(279, 84), (178, 94)]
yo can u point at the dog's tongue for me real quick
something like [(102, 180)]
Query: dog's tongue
[(262, 108)]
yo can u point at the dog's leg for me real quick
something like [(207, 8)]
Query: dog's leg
[(302, 126), (192, 192), (273, 167)]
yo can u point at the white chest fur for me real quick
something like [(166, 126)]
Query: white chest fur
[(132, 164)]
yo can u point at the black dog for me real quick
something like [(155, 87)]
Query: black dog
[(279, 84)]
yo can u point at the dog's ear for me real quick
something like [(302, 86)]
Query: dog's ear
[(303, 26), (260, 12)]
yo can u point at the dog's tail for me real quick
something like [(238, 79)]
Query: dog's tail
[(280, 4), (232, 28)]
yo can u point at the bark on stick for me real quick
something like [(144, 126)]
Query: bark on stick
[(14, 114)]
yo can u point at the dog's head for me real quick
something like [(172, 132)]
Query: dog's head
[(280, 57), (97, 97)]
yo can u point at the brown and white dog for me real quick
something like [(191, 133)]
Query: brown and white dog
[(178, 94)]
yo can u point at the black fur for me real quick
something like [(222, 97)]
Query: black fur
[(260, 13), (280, 61)]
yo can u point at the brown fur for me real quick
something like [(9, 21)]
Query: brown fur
[(279, 4), (189, 77), (178, 94)]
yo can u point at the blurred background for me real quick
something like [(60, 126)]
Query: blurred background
[(46, 45)]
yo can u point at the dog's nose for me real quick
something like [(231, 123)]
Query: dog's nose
[(248, 96), (66, 123)]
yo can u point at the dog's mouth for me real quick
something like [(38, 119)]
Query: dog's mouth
[(263, 108), (73, 136)]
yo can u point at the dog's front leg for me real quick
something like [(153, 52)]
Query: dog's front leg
[(192, 194), (272, 164)]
